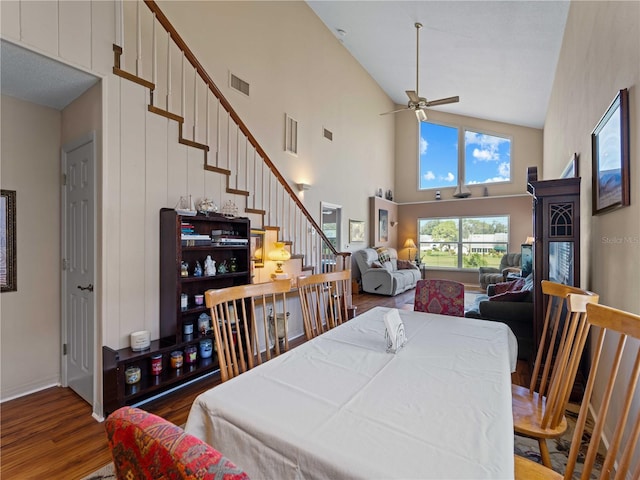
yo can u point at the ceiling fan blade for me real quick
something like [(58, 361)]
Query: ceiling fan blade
[(413, 96), (395, 111), (443, 101), (421, 115)]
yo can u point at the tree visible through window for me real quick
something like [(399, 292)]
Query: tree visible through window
[(463, 242), (484, 159)]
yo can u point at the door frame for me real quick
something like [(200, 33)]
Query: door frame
[(90, 137)]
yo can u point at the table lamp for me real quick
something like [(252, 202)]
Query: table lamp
[(410, 244), (279, 255)]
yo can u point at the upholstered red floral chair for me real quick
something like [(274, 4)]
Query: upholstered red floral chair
[(145, 446), (445, 297)]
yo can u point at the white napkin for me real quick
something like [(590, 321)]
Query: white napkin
[(394, 331)]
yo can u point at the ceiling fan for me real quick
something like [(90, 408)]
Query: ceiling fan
[(417, 103)]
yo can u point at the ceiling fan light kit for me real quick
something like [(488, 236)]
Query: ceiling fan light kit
[(417, 103)]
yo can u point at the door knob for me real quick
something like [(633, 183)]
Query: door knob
[(88, 287)]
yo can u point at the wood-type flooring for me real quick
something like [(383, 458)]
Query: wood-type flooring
[(52, 435)]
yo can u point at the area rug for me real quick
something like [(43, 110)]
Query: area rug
[(559, 448), (526, 447), (106, 472)]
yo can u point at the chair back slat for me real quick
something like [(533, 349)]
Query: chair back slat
[(324, 301), (564, 336), (234, 311), (616, 328)]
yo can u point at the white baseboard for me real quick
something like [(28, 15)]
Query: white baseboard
[(27, 390)]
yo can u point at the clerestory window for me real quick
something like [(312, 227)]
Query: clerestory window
[(484, 158)]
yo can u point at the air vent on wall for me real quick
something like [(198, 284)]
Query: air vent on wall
[(328, 134), (238, 84)]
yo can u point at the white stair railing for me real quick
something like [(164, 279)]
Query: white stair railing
[(208, 122)]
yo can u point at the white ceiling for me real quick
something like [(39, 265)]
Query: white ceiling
[(38, 79), (499, 56)]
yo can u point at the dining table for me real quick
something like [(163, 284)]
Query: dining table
[(340, 406)]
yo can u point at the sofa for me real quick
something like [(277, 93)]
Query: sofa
[(512, 304), (510, 263), (378, 270)]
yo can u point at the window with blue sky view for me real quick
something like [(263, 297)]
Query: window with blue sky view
[(485, 158)]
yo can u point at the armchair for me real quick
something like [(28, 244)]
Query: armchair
[(510, 263), (147, 447)]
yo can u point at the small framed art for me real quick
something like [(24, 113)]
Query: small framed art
[(356, 231)]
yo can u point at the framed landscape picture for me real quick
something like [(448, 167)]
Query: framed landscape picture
[(356, 231), (610, 154)]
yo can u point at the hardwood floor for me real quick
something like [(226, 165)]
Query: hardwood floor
[(51, 434)]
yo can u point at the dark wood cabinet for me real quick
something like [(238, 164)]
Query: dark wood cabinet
[(187, 240), (556, 229)]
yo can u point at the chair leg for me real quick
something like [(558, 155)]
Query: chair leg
[(544, 452)]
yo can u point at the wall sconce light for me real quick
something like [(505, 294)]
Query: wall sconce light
[(410, 244), (303, 186), (393, 223), (279, 255)]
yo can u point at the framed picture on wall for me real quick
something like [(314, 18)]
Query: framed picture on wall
[(571, 170), (356, 231), (383, 226), (257, 247), (8, 280), (610, 156)]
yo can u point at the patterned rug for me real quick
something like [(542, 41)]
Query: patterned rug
[(526, 447), (106, 472), (559, 448)]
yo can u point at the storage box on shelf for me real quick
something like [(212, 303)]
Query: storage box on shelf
[(196, 253)]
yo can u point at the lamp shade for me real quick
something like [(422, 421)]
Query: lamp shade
[(529, 241), (279, 255), (410, 243)]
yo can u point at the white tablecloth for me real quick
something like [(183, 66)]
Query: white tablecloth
[(340, 407)]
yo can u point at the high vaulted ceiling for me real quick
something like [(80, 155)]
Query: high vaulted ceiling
[(499, 56)]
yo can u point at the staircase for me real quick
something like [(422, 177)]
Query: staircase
[(184, 92)]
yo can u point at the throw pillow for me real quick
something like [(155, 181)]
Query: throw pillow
[(383, 254), (404, 265), (513, 291)]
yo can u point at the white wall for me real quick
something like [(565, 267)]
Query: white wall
[(600, 55), (30, 316), (295, 66)]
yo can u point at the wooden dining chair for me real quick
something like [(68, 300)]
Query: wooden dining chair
[(445, 297), (235, 312), (615, 368), (538, 411), (324, 301)]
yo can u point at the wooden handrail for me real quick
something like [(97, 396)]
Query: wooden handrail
[(188, 54)]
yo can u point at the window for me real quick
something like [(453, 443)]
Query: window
[(486, 158), (291, 135), (463, 242)]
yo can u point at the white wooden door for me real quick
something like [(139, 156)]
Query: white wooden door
[(78, 267)]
